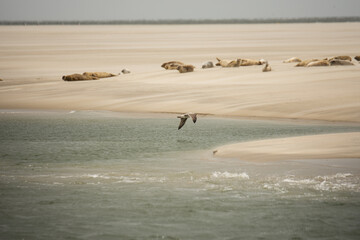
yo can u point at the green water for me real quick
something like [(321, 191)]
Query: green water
[(93, 175)]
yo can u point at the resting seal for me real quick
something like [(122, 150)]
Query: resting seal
[(185, 68), (78, 77), (347, 58), (125, 71), (305, 62), (223, 62), (208, 65), (99, 74), (172, 65), (338, 62), (291, 60), (267, 67), (320, 63), (249, 62)]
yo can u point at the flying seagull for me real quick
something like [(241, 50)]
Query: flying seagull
[(184, 117)]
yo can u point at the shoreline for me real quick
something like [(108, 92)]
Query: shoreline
[(342, 145), (134, 114)]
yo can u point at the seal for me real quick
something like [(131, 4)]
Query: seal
[(78, 77), (185, 68)]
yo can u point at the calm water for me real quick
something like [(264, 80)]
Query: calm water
[(93, 175)]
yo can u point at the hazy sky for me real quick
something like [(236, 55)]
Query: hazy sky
[(167, 9)]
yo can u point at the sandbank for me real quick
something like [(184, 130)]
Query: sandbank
[(324, 146), (33, 60)]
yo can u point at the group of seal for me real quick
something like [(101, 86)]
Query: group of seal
[(91, 75), (239, 62), (183, 68), (243, 62), (331, 61)]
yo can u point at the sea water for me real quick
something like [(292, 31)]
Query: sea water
[(98, 175)]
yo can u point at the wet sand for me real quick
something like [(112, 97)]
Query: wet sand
[(34, 58)]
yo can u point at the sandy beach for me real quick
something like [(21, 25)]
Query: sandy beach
[(34, 58)]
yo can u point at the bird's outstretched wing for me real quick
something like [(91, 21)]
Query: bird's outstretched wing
[(182, 122), (193, 116)]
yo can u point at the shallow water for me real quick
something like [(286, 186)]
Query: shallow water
[(95, 175)]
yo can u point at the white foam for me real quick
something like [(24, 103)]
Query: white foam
[(243, 175), (118, 178), (226, 189), (129, 180), (57, 183), (302, 181), (336, 182), (334, 177), (343, 175), (96, 176)]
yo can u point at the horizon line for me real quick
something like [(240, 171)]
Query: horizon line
[(183, 21)]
